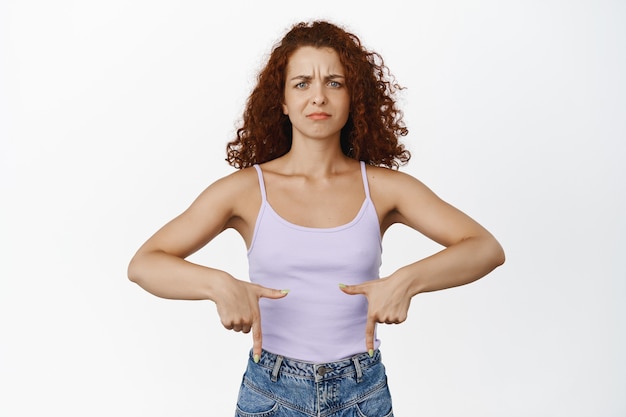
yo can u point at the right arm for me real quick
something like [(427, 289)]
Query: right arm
[(160, 267)]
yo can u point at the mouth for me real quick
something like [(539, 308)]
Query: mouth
[(318, 116)]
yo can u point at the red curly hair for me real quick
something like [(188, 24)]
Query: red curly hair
[(374, 126)]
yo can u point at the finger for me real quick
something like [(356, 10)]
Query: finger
[(257, 340), (370, 328), (272, 293), (352, 289), (257, 344)]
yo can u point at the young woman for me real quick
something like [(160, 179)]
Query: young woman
[(315, 190)]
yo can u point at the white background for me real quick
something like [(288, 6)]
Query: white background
[(114, 115)]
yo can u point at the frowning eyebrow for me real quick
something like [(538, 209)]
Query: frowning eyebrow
[(309, 77)]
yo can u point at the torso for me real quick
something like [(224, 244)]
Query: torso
[(334, 239)]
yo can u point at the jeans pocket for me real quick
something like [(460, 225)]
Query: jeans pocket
[(252, 403), (377, 404)]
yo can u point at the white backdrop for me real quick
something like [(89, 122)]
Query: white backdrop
[(114, 115)]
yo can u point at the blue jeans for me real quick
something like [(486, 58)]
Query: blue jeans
[(283, 387)]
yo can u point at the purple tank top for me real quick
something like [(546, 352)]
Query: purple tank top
[(316, 322)]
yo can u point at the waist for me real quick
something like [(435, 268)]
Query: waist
[(355, 365)]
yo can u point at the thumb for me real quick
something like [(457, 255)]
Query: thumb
[(272, 293), (352, 289)]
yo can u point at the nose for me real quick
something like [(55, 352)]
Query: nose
[(318, 97), (319, 100)]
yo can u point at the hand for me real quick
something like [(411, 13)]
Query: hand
[(238, 308), (388, 302)]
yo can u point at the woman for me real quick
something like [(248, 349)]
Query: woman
[(316, 189)]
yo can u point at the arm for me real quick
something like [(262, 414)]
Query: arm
[(470, 250), (470, 253), (160, 267)]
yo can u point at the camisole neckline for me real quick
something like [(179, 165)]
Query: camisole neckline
[(366, 201)]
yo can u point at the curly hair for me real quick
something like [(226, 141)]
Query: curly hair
[(374, 126)]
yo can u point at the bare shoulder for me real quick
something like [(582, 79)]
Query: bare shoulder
[(402, 198), (391, 186), (229, 202), (235, 182), (230, 193), (386, 174)]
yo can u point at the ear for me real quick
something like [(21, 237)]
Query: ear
[(285, 110)]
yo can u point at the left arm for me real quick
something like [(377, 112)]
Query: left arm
[(470, 252)]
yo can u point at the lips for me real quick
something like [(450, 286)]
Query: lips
[(318, 116)]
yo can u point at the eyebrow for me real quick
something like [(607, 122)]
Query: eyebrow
[(309, 77)]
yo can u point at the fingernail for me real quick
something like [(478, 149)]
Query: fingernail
[(256, 358), (371, 353), (342, 285), (284, 291)]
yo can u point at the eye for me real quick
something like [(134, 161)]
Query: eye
[(301, 84), (334, 84)]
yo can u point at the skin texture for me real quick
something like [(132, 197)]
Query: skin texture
[(314, 184), (316, 100)]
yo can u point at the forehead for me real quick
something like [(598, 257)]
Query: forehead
[(308, 59)]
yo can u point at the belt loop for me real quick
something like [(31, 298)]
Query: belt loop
[(357, 367), (279, 361)]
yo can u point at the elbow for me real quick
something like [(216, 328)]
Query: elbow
[(497, 255), (132, 271)]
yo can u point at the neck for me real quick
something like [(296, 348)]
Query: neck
[(315, 158)]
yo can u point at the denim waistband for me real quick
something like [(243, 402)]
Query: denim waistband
[(317, 371)]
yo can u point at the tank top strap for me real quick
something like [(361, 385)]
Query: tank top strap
[(261, 182), (365, 182), (366, 186)]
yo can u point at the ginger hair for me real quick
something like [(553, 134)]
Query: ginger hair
[(374, 126)]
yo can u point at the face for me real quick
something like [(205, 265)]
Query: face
[(316, 99)]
